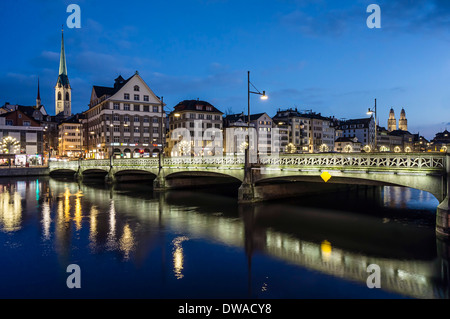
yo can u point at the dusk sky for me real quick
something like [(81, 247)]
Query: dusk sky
[(317, 55)]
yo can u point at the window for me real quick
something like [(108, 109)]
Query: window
[(136, 141), (126, 96), (26, 123), (136, 97), (126, 129), (209, 117), (156, 109), (201, 116), (137, 107), (116, 118), (146, 108), (136, 129), (116, 139), (59, 96), (116, 106), (146, 98), (126, 119), (155, 120), (116, 128), (146, 120), (155, 130), (126, 107), (136, 88), (217, 117), (209, 108), (192, 116), (136, 118), (146, 130), (199, 107)]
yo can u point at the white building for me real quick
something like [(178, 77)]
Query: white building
[(126, 120)]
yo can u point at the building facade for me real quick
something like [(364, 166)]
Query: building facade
[(361, 129), (71, 137), (195, 129), (21, 138), (309, 132), (126, 120)]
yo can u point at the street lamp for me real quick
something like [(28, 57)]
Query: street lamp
[(374, 112), (263, 97)]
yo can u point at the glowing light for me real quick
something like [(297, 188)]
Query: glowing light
[(10, 211), (46, 220), (326, 249), (178, 257), (326, 176), (184, 148), (126, 242), (93, 227), (291, 148), (78, 214), (10, 145)]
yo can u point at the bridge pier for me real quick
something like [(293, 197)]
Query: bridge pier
[(159, 184), (110, 178), (443, 210)]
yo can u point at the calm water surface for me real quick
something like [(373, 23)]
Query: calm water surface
[(132, 243)]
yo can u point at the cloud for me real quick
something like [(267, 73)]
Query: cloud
[(322, 19)]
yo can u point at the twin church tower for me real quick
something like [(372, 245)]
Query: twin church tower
[(402, 123), (63, 91)]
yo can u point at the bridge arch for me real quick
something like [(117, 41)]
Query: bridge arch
[(133, 175), (424, 182)]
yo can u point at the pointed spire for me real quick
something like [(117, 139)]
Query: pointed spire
[(38, 98), (63, 79), (38, 92), (62, 61)]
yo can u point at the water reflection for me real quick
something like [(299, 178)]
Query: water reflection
[(10, 209), (129, 222), (178, 256)]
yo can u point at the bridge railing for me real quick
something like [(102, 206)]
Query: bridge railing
[(416, 161), (380, 161)]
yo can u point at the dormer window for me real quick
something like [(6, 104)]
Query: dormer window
[(199, 107), (136, 88)]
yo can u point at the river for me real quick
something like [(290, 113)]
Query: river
[(132, 243)]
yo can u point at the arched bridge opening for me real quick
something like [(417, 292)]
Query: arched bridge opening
[(62, 173), (132, 176), (94, 174), (201, 179)]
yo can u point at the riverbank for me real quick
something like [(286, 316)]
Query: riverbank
[(24, 171)]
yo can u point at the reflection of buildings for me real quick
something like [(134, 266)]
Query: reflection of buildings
[(10, 209), (411, 277)]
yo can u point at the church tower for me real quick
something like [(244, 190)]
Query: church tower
[(38, 98), (403, 122), (63, 91), (392, 122)]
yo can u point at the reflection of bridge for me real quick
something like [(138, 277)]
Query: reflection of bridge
[(415, 278), (271, 177)]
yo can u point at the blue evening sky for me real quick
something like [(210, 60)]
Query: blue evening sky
[(317, 55)]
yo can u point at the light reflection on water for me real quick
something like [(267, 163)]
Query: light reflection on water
[(142, 242)]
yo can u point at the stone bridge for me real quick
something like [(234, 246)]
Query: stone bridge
[(273, 176)]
